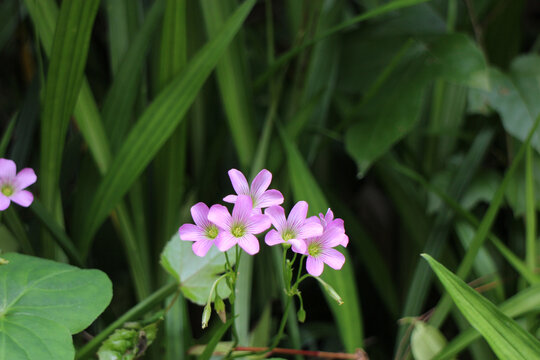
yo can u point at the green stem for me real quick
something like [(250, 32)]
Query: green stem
[(138, 310), (17, 227), (282, 324)]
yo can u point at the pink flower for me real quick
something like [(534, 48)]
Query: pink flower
[(329, 221), (12, 185), (240, 227), (319, 251), (204, 232), (260, 197), (293, 229)]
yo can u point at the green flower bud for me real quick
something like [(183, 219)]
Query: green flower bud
[(330, 291), (301, 315), (219, 306), (207, 312)]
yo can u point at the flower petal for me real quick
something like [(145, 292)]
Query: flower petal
[(23, 198), (277, 216), (273, 238), (190, 232), (331, 237), (297, 216), (4, 202), (269, 198), (239, 182), (25, 178), (219, 215), (298, 246), (329, 216), (257, 223), (344, 241), (225, 241), (199, 212), (314, 266), (333, 258), (201, 247), (309, 229), (8, 169), (230, 198), (242, 209), (249, 243), (261, 182)]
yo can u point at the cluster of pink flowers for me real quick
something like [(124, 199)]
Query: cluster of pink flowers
[(12, 184), (315, 237)]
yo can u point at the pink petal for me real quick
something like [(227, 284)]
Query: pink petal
[(219, 215), (201, 247), (23, 198), (190, 232), (331, 237), (249, 243), (337, 223), (8, 169), (4, 202), (310, 229), (239, 182), (25, 178), (314, 266), (230, 198), (199, 212), (269, 198), (297, 216), (242, 209), (298, 246), (329, 216), (225, 241), (273, 238), (277, 215), (344, 241), (333, 258), (261, 182), (258, 223)]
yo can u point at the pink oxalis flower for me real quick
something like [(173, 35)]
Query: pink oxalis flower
[(240, 227), (319, 251), (12, 184), (329, 221), (294, 229), (204, 232), (260, 196)]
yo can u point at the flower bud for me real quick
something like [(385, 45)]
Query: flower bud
[(301, 315), (207, 312), (219, 307), (330, 291)]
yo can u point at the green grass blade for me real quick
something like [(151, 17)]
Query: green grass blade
[(507, 339), (483, 230), (6, 137), (530, 215), (523, 302), (232, 80), (17, 228), (120, 32), (348, 316), (64, 79), (155, 125), (216, 337)]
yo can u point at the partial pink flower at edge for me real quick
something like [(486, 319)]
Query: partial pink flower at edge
[(12, 184), (319, 251), (260, 196), (329, 221), (292, 230), (241, 227), (204, 233)]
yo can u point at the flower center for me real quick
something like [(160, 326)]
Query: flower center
[(212, 232), (7, 190), (238, 230), (288, 235), (314, 249)]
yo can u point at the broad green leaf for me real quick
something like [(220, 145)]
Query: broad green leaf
[(506, 338), (426, 341), (195, 274), (42, 302), (395, 109), (128, 344), (348, 316), (155, 126)]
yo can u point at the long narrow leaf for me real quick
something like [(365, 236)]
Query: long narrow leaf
[(507, 339)]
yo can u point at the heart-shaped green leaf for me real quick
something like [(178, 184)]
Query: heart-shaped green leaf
[(42, 302), (195, 274)]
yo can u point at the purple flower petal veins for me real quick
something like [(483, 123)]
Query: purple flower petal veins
[(319, 251), (12, 185), (328, 220), (240, 227), (260, 196), (204, 233), (294, 229)]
